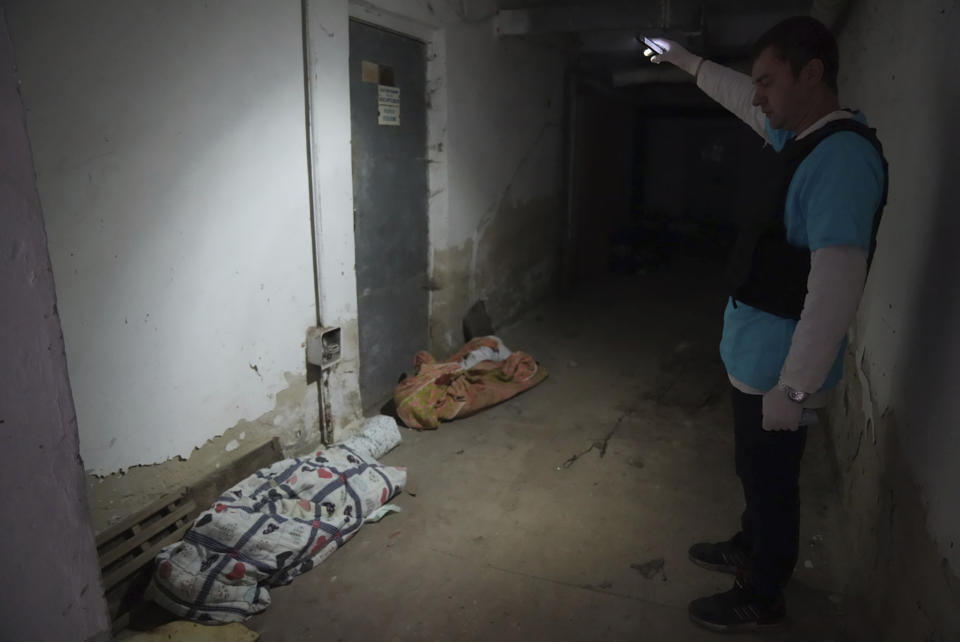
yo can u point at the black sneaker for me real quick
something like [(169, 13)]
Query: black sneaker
[(738, 609), (727, 557)]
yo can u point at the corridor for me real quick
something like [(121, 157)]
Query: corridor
[(228, 227), (566, 513)]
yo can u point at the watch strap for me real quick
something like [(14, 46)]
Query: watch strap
[(797, 396)]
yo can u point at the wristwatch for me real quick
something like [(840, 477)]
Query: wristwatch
[(797, 396)]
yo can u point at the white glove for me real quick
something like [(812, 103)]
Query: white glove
[(674, 54), (779, 412)]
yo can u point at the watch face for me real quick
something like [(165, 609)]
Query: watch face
[(797, 395)]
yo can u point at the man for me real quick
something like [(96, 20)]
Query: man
[(796, 277)]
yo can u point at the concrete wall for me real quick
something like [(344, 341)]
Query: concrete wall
[(494, 144), (171, 150), (506, 208), (894, 421), (170, 147), (48, 554), (329, 64)]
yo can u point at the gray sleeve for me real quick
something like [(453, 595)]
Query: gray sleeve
[(733, 90), (834, 286)]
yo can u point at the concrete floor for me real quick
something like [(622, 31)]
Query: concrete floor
[(503, 536)]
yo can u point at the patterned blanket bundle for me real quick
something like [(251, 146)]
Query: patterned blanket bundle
[(274, 525)]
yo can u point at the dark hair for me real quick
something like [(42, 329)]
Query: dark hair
[(798, 40)]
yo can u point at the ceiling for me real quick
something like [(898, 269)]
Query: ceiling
[(601, 37)]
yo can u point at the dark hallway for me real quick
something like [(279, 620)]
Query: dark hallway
[(566, 513)]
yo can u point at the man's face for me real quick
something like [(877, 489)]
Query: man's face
[(776, 91)]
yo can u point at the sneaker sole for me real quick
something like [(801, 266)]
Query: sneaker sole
[(746, 626), (720, 568)]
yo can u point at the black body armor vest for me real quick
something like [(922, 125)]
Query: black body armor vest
[(765, 271)]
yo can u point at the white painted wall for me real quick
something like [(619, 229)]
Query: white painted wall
[(170, 147), (329, 63), (171, 151), (899, 65), (48, 554), (505, 117), (505, 102)]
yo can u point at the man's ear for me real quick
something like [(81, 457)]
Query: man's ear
[(812, 72)]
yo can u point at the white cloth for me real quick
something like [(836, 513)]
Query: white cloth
[(734, 91), (378, 436), (484, 353), (837, 276)]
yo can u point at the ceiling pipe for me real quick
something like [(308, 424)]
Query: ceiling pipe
[(606, 16)]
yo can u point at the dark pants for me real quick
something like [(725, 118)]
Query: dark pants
[(768, 464)]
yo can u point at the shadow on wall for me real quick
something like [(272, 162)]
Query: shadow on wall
[(928, 397), (901, 482)]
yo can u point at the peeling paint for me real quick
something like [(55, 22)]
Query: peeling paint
[(295, 421), (902, 490), (342, 408), (518, 257), (452, 297), (513, 264), (884, 519)]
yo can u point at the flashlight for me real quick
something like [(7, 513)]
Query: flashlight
[(654, 47)]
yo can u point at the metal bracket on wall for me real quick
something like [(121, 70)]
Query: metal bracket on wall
[(323, 347), (323, 352)]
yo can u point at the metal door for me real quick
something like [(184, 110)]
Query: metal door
[(389, 130)]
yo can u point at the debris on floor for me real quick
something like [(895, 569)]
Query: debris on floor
[(276, 524), (600, 445), (483, 373), (651, 569), (381, 512), (182, 631), (678, 386), (602, 586)]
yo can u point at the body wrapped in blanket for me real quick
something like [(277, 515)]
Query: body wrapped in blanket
[(481, 374)]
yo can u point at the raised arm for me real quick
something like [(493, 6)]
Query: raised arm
[(730, 88)]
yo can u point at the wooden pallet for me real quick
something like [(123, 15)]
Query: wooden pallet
[(129, 546)]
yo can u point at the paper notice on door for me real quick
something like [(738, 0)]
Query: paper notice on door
[(388, 109), (369, 71)]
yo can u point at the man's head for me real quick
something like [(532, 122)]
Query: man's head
[(795, 67)]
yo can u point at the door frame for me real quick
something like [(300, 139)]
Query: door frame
[(326, 67), (383, 347), (433, 35)]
